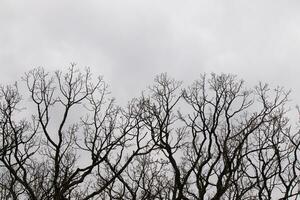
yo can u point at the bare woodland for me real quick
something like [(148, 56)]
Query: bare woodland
[(65, 138)]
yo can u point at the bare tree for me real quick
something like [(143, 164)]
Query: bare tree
[(215, 139), (210, 148), (76, 133)]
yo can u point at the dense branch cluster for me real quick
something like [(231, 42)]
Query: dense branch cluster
[(213, 140)]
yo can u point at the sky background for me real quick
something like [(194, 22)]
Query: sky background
[(129, 42)]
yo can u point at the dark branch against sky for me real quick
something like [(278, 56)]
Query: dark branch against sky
[(129, 42)]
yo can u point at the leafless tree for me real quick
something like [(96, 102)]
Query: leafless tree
[(78, 141), (215, 139), (212, 132)]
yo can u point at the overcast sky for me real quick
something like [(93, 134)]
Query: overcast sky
[(129, 42)]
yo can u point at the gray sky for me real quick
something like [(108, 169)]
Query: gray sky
[(129, 42)]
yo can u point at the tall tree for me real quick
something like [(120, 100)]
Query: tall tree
[(215, 139)]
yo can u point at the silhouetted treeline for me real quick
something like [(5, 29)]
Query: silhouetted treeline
[(213, 140)]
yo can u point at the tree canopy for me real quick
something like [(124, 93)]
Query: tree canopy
[(215, 139)]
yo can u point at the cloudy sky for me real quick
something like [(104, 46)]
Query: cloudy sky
[(129, 42)]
